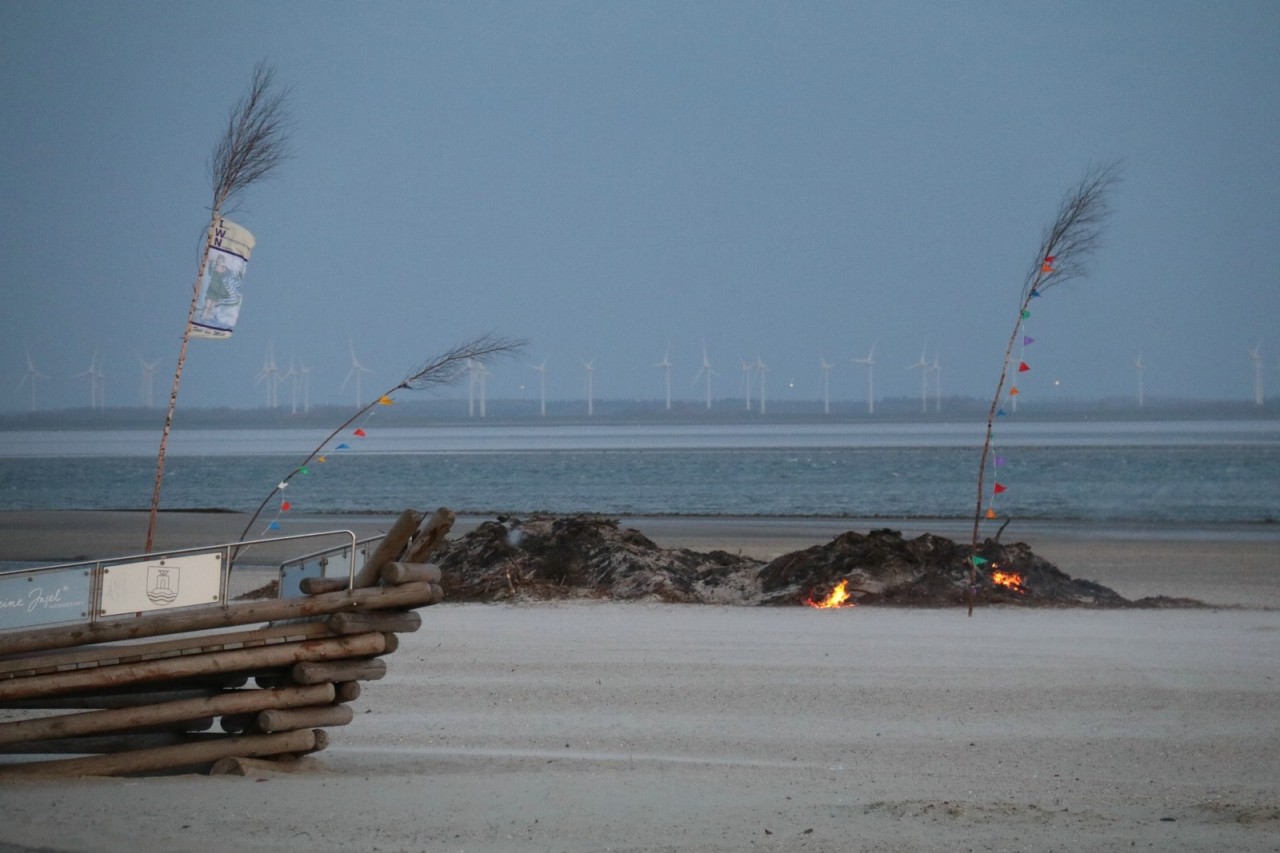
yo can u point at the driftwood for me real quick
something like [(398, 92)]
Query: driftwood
[(391, 546), (317, 672), (232, 661), (288, 719), (98, 722), (194, 754)]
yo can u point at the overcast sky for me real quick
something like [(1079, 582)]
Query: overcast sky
[(782, 181)]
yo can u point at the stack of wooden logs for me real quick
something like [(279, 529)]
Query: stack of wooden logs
[(141, 695)]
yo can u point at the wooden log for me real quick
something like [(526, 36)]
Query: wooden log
[(437, 593), (319, 586), (287, 719), (357, 645), (207, 618), (430, 535), (193, 754), (400, 621), (391, 547), (392, 643), (108, 700), (238, 766), (321, 742), (346, 691), (98, 744), (315, 672), (106, 654), (398, 573), (222, 705)]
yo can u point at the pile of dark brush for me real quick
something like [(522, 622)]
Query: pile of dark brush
[(549, 557)]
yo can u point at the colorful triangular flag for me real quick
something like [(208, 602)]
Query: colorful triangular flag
[(359, 431), (285, 506), (991, 513), (978, 561), (999, 461), (275, 525), (343, 446), (999, 487), (1023, 367), (384, 400), (1027, 340)]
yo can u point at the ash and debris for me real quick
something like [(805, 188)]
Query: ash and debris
[(592, 556)]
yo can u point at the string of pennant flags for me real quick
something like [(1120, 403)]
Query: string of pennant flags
[(319, 457), (1010, 401)]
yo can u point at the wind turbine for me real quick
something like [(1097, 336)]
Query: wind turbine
[(936, 370), (31, 377), (292, 375), (665, 365), (748, 379), (1255, 355), (147, 392), (591, 370), (825, 366), (923, 367), (870, 362), (542, 385), (355, 372), (761, 370), (271, 373), (305, 372), (95, 376), (707, 371), (1137, 363)]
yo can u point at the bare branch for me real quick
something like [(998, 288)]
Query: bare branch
[(255, 141), (444, 369), (1069, 244)]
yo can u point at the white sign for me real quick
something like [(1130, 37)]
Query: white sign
[(161, 584)]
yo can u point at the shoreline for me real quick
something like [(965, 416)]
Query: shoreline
[(1220, 565)]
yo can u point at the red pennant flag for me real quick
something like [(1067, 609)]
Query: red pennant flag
[(1048, 259), (286, 506), (1023, 367), (359, 432), (999, 488)]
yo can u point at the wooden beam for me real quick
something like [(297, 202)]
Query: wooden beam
[(398, 573), (288, 719), (315, 672), (240, 660), (430, 535), (193, 754), (390, 548), (210, 617), (103, 655), (398, 621), (100, 722)]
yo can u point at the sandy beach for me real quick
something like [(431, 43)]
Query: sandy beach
[(589, 726)]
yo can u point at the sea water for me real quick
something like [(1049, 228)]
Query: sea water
[(1173, 472)]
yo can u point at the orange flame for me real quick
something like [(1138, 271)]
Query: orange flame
[(1009, 580), (839, 597)]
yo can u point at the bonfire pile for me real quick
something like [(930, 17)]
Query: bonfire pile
[(593, 556)]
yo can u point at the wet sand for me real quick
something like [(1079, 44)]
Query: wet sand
[(590, 726)]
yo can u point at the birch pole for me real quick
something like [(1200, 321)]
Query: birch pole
[(1065, 250), (254, 143)]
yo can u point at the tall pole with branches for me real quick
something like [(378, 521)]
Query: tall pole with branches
[(1065, 251), (253, 145)]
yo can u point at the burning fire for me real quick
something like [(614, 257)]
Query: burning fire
[(839, 597), (1009, 580)]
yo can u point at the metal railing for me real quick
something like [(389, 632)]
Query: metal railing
[(90, 590)]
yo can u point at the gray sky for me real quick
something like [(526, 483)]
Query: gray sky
[(788, 180)]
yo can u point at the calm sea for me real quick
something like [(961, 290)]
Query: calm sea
[(1159, 471)]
